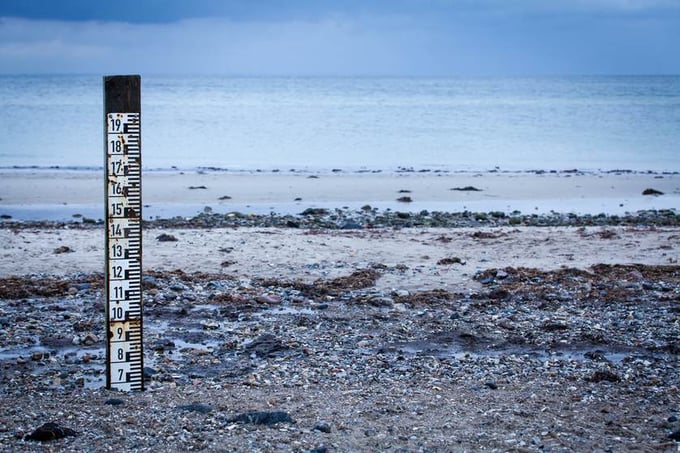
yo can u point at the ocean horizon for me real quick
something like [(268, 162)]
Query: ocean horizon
[(361, 124)]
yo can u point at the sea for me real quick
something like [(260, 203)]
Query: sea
[(247, 124)]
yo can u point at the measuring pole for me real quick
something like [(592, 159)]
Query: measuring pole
[(123, 174)]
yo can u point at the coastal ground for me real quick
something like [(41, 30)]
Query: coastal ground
[(380, 334), (60, 194)]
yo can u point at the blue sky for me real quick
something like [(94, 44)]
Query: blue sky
[(341, 37)]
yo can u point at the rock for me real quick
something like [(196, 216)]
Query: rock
[(262, 418), (675, 435), (266, 345), (322, 427), (197, 187), (466, 189), (149, 372), (604, 375), (268, 299), (195, 407), (162, 345), (114, 402), (452, 260), (404, 199), (50, 431), (210, 325), (492, 385), (63, 249), (166, 238), (314, 211), (651, 192), (225, 197), (89, 339)]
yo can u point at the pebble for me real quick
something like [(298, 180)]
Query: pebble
[(426, 345)]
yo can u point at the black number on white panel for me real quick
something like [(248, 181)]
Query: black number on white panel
[(114, 125), (117, 313)]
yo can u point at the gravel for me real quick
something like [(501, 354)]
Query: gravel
[(566, 360)]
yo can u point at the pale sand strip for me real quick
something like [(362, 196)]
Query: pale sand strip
[(297, 254), (583, 193)]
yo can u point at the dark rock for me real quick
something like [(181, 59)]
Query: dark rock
[(553, 326), (63, 249), (651, 192), (604, 375), (225, 197), (404, 199), (314, 211), (498, 294), (195, 407), (672, 419), (675, 435), (162, 345), (262, 418), (50, 431), (197, 187), (149, 372), (266, 345), (292, 224), (114, 401), (319, 449), (452, 260), (467, 189), (322, 427), (166, 238), (491, 385)]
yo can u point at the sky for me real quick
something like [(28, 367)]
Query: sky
[(340, 37)]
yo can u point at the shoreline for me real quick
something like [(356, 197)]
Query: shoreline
[(62, 194)]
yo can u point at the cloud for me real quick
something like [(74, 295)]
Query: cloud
[(457, 41)]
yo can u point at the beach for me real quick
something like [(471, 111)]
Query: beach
[(298, 311), (41, 194)]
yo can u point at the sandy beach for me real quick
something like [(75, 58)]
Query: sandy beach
[(58, 195), (351, 331)]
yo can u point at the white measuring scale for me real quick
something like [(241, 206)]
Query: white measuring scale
[(123, 248)]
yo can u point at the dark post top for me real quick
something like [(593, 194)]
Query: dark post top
[(122, 94)]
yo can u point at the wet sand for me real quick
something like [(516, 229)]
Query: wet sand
[(42, 194)]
